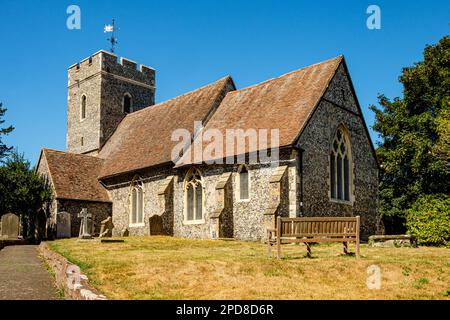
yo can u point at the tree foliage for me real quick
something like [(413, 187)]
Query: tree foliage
[(414, 153), (429, 220), (22, 190), (3, 131)]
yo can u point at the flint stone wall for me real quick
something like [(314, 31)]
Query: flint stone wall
[(316, 141), (48, 209), (153, 203), (247, 216)]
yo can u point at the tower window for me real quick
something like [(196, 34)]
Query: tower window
[(83, 107), (82, 141), (340, 177), (127, 103)]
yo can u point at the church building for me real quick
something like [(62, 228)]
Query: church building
[(120, 159)]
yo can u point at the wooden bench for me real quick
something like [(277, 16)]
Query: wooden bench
[(314, 229)]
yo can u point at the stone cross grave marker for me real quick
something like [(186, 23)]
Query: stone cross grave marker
[(63, 225), (10, 226), (84, 226)]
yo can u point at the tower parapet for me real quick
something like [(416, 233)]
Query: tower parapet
[(101, 91)]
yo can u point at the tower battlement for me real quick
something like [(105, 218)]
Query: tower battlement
[(101, 91), (107, 62)]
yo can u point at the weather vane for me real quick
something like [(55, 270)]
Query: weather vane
[(111, 28)]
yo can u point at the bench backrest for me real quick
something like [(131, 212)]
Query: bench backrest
[(318, 227)]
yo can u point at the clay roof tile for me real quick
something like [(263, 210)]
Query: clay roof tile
[(74, 176), (143, 138)]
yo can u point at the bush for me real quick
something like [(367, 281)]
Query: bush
[(429, 220)]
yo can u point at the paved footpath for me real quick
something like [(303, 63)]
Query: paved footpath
[(23, 275)]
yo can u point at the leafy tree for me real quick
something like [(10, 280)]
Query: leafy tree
[(429, 220), (22, 190), (3, 131), (414, 153)]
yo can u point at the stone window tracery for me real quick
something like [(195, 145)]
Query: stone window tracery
[(193, 196), (136, 202), (340, 166)]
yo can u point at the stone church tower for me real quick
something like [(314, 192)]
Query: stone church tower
[(101, 92)]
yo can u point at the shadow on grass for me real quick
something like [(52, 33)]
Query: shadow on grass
[(347, 255), (298, 257)]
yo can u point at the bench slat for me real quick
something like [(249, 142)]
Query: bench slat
[(320, 219), (311, 240), (290, 235)]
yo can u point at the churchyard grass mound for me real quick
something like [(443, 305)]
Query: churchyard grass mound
[(174, 268)]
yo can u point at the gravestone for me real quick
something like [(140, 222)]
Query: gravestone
[(125, 233), (63, 224), (156, 225), (392, 241), (86, 225), (106, 228), (10, 226)]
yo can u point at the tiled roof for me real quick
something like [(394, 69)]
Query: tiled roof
[(74, 176), (283, 103), (143, 138)]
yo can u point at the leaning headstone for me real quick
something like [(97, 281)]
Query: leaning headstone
[(86, 225), (10, 226), (106, 228), (63, 225), (125, 233)]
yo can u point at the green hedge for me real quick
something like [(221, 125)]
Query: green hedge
[(429, 220)]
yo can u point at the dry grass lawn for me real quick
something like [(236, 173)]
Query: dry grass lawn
[(174, 268)]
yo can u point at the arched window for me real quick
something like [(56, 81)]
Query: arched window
[(136, 202), (193, 196), (244, 182), (127, 103), (83, 107), (340, 166)]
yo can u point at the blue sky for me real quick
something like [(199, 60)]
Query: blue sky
[(192, 43)]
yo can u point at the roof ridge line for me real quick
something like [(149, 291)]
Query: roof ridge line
[(162, 104), (287, 73), (71, 153), (181, 95)]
